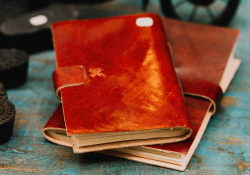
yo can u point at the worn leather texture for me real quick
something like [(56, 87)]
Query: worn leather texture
[(199, 63), (56, 123), (68, 76), (56, 120), (201, 54), (131, 82), (203, 89), (192, 69), (197, 108)]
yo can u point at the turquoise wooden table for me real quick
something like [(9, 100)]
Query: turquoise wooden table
[(224, 148)]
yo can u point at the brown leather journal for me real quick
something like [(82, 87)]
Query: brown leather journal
[(204, 61), (117, 83)]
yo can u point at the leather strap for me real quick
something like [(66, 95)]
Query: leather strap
[(203, 89), (67, 77)]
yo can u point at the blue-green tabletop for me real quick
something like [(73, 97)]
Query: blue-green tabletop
[(224, 148)]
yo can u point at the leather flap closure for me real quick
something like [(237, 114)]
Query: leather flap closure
[(203, 89), (67, 77)]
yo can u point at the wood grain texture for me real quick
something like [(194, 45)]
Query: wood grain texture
[(224, 148)]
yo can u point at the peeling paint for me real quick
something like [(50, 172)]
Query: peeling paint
[(196, 160), (14, 150), (228, 101), (232, 141), (225, 150), (2, 166), (242, 165)]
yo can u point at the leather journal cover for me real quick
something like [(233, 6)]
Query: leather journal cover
[(205, 64), (117, 83), (204, 61)]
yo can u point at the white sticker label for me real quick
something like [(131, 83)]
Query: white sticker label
[(38, 20), (144, 22)]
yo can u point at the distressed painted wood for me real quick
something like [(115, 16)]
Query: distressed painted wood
[(224, 148)]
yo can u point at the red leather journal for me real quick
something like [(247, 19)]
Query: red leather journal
[(204, 61), (116, 80)]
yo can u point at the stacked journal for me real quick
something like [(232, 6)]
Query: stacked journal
[(117, 81)]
